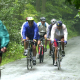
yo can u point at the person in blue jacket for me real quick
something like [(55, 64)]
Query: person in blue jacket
[(4, 39), (30, 32), (53, 21)]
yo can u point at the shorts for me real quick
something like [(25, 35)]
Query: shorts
[(56, 43), (34, 43)]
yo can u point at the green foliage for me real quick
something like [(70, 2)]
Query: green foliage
[(76, 3), (14, 52), (29, 11)]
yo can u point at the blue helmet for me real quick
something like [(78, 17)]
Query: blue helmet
[(59, 23)]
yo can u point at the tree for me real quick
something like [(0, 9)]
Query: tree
[(43, 6), (38, 5), (76, 3)]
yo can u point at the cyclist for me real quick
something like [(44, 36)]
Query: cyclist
[(30, 32), (42, 25), (4, 39), (59, 32), (53, 21)]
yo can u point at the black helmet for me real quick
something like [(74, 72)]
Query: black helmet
[(43, 19)]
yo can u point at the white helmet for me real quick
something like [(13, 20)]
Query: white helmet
[(53, 21)]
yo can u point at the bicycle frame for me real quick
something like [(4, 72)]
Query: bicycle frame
[(41, 50), (52, 53), (59, 54), (29, 55)]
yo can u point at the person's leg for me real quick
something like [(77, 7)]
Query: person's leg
[(55, 44), (34, 54), (45, 36), (50, 48), (25, 48), (63, 52), (55, 54), (62, 43), (38, 45)]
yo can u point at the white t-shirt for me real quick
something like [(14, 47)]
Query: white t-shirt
[(58, 34)]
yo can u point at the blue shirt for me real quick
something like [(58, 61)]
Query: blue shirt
[(30, 32)]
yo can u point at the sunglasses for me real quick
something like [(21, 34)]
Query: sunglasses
[(30, 22)]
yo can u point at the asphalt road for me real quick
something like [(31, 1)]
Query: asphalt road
[(70, 66)]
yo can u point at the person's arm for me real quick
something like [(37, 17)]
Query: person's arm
[(48, 31), (36, 32), (65, 33), (47, 25), (24, 33), (52, 32), (22, 29)]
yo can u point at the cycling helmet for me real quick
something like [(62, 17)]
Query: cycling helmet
[(59, 23), (43, 19), (30, 19), (53, 21)]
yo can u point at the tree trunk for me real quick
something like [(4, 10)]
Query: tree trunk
[(38, 5), (43, 6)]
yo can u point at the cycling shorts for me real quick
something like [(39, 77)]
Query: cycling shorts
[(34, 43), (56, 43)]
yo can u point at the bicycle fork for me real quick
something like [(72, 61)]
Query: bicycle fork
[(41, 46)]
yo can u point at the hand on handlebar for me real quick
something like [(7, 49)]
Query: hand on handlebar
[(65, 42), (34, 40)]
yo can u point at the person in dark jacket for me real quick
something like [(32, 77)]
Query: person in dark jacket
[(53, 21)]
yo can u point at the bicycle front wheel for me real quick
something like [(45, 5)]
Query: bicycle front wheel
[(58, 60), (31, 60), (28, 63), (40, 57)]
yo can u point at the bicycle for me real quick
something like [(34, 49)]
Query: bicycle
[(41, 47), (29, 55), (52, 53), (59, 54)]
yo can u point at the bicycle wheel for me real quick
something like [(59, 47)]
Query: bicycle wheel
[(40, 56), (58, 60), (43, 54), (28, 60), (31, 60), (53, 57), (28, 63)]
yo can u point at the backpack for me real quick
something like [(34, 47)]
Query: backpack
[(40, 24)]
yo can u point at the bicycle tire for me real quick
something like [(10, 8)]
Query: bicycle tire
[(58, 60), (53, 55), (31, 60), (43, 54), (40, 57), (28, 61)]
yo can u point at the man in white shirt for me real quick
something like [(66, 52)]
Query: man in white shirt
[(59, 33)]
